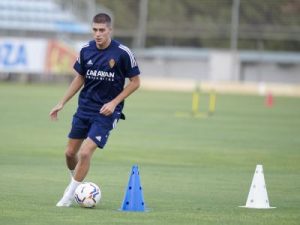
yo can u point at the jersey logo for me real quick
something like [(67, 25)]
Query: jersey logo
[(98, 138), (112, 62), (90, 62)]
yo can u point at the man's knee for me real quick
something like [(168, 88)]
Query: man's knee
[(70, 153), (85, 154), (72, 148), (87, 150)]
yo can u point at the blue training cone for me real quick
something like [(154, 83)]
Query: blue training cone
[(133, 198)]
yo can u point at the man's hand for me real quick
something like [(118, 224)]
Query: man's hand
[(108, 108), (53, 113)]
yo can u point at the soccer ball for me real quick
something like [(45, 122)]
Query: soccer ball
[(87, 195)]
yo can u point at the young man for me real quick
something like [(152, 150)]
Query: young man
[(102, 66)]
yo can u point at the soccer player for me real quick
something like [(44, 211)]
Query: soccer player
[(102, 66)]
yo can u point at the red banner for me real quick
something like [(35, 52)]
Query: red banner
[(60, 58)]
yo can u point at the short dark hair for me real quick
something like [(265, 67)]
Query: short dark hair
[(102, 18)]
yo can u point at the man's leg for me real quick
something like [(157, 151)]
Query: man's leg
[(85, 154), (72, 149)]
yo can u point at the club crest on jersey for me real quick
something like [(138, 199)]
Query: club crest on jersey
[(112, 62)]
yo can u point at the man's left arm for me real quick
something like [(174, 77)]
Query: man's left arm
[(108, 108)]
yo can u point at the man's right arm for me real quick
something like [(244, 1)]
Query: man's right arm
[(74, 87)]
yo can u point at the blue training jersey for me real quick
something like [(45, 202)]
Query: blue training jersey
[(104, 71)]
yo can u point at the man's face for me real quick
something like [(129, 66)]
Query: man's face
[(101, 34)]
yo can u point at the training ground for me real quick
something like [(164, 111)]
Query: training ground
[(193, 170)]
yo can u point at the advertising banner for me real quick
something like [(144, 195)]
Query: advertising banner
[(60, 58), (22, 55), (39, 56)]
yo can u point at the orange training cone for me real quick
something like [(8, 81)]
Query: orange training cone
[(269, 101)]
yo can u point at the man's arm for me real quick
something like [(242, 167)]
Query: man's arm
[(74, 87), (108, 108)]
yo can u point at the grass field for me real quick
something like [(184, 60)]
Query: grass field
[(193, 171)]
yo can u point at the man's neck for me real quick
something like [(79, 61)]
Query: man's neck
[(104, 46)]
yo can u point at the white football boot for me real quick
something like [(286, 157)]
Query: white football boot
[(65, 201)]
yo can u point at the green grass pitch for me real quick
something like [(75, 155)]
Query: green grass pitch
[(193, 171)]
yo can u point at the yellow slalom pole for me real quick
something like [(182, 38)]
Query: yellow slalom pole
[(212, 102)]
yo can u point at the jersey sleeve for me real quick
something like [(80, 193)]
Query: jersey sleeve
[(78, 65), (130, 64)]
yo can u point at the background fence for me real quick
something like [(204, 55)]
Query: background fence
[(203, 40)]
